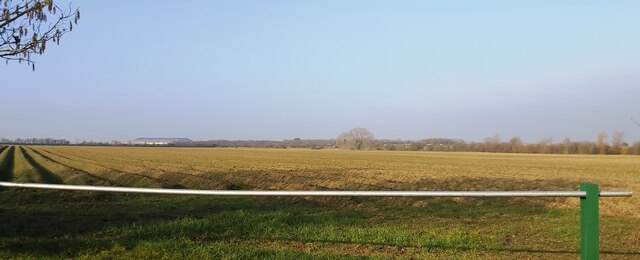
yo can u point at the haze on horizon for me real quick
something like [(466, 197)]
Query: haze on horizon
[(286, 69)]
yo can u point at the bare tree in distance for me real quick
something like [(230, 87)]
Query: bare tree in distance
[(569, 147), (27, 25), (617, 142), (491, 144), (515, 144), (601, 142), (545, 145), (357, 138)]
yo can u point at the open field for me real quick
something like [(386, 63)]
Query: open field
[(87, 225)]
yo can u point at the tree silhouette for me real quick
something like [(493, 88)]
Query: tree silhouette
[(357, 138), (27, 25)]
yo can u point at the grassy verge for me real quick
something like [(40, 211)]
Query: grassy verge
[(87, 225)]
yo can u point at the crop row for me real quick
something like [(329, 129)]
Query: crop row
[(38, 164), (278, 169)]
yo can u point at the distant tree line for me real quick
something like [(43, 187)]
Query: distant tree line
[(49, 141), (363, 139), (293, 143), (358, 138), (494, 144)]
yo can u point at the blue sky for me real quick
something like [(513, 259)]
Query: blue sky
[(284, 69)]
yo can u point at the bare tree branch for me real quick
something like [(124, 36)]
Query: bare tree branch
[(25, 28)]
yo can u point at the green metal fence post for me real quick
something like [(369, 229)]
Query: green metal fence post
[(589, 223)]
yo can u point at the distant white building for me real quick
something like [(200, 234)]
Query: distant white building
[(160, 141)]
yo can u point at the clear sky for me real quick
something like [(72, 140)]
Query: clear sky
[(312, 69)]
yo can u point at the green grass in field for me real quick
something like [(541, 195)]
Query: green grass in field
[(53, 224)]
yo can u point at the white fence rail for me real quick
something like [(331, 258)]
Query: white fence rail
[(322, 193)]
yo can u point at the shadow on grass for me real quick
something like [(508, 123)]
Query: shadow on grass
[(123, 179), (45, 175), (6, 165), (67, 224), (98, 179)]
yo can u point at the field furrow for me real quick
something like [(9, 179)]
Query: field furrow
[(294, 169), (46, 175), (68, 174), (118, 177), (168, 179), (244, 177), (23, 171), (174, 175), (6, 163)]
